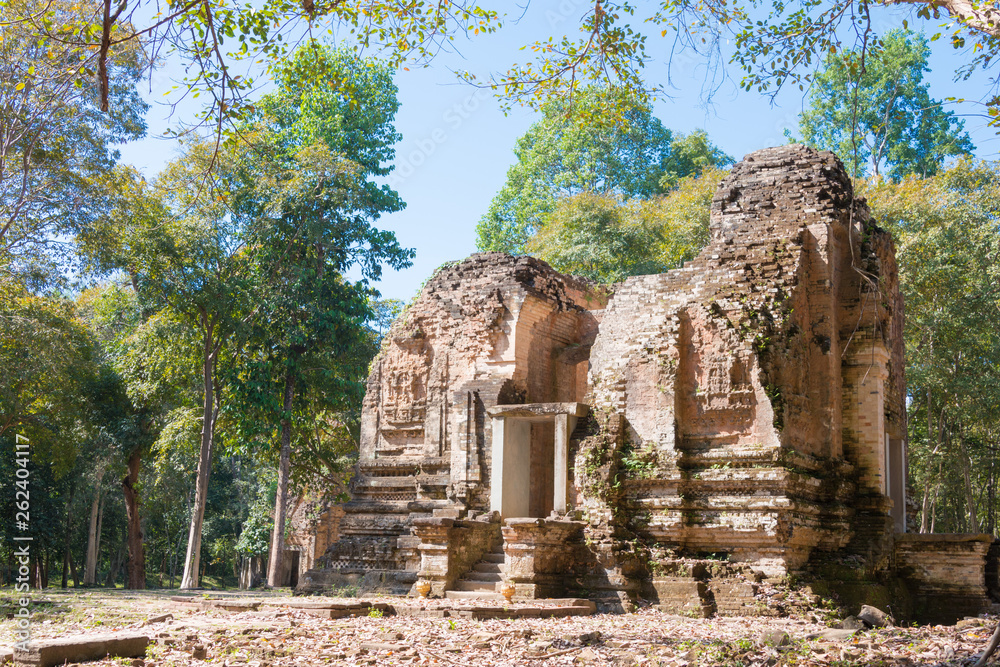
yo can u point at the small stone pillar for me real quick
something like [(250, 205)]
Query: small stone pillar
[(435, 557), (561, 463), (540, 555)]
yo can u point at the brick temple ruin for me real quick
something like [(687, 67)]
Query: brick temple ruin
[(679, 437)]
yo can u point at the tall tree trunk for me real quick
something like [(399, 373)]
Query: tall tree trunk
[(970, 498), (192, 560), (281, 497), (93, 535), (116, 565), (75, 570), (924, 511), (136, 579), (991, 513), (100, 533), (66, 534)]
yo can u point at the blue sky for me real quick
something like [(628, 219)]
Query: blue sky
[(457, 143)]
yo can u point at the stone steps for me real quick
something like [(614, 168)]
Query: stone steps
[(482, 581), (475, 586), (481, 566), (472, 595)]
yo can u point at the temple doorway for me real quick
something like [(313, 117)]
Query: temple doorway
[(530, 465)]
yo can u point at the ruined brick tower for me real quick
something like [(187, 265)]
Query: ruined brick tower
[(748, 406)]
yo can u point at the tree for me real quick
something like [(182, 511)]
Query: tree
[(126, 425), (220, 254), (218, 42), (775, 44), (588, 148), (608, 239), (324, 136), (879, 115), (54, 139), (46, 358), (187, 254), (947, 228), (948, 245)]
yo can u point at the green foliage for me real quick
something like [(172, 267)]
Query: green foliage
[(946, 229), (46, 363), (774, 43), (217, 44), (55, 143), (580, 148), (597, 237), (608, 239), (878, 115), (255, 538), (324, 135)]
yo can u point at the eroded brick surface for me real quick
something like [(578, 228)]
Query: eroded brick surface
[(748, 406)]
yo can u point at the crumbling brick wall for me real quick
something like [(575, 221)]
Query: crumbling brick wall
[(491, 329), (741, 405), (729, 371)]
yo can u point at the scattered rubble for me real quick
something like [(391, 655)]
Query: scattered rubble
[(281, 633)]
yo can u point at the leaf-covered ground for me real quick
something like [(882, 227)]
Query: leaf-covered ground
[(274, 636)]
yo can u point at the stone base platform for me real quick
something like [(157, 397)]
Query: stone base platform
[(358, 582)]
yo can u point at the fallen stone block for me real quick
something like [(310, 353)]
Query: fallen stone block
[(379, 646), (873, 617), (420, 612), (852, 623), (775, 638), (158, 619), (230, 605), (833, 635), (51, 652)]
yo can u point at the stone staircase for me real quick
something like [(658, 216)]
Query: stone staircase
[(482, 581)]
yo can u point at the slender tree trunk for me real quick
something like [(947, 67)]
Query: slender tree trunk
[(970, 498), (281, 497), (136, 579), (925, 507), (924, 512), (991, 514), (934, 499), (192, 560), (100, 533), (75, 570), (116, 565), (93, 536), (66, 534)]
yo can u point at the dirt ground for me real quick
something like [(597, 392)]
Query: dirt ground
[(277, 635)]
